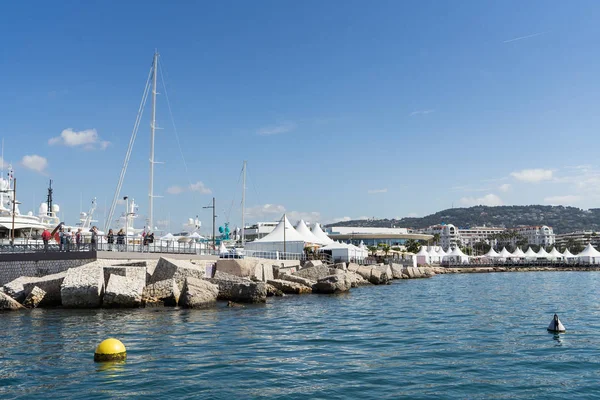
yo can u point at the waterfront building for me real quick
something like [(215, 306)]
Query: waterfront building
[(449, 235), (374, 236), (477, 234), (259, 230), (578, 238), (536, 235)]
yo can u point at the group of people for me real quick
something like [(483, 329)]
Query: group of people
[(67, 238), (147, 239)]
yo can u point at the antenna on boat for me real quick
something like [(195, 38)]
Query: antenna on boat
[(49, 199), (244, 205)]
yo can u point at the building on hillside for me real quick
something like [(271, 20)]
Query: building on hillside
[(536, 235), (449, 235), (259, 230), (374, 236), (477, 234), (579, 238)]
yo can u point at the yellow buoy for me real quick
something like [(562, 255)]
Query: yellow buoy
[(110, 350)]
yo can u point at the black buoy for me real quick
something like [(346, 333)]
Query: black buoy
[(556, 325)]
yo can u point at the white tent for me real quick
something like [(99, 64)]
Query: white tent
[(505, 254), (309, 237), (568, 255), (196, 235), (530, 254), (491, 253), (434, 257), (362, 246), (441, 252), (318, 232), (223, 249), (457, 256), (555, 254), (423, 256), (543, 253), (589, 255), (518, 253), (168, 238), (344, 252), (284, 235)]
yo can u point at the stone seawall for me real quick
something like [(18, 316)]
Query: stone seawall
[(10, 270)]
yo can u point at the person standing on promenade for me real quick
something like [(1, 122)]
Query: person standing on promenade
[(68, 239), (46, 235), (94, 239), (78, 238), (110, 238), (61, 236), (120, 239)]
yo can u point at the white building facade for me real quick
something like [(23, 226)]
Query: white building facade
[(537, 235)]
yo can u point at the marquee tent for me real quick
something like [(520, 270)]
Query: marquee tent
[(505, 254), (309, 237), (530, 254), (344, 252), (283, 236), (423, 256), (168, 238), (589, 255), (543, 253), (555, 254), (457, 256), (318, 232), (491, 254), (518, 253), (568, 255)]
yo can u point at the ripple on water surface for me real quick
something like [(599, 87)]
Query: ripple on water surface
[(465, 336)]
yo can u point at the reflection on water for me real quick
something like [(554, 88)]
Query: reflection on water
[(465, 336)]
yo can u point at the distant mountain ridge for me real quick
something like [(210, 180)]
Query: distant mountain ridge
[(562, 219)]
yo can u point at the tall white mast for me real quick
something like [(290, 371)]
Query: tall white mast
[(244, 205), (152, 128)]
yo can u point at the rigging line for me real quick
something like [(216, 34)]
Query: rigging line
[(234, 196), (187, 172), (136, 126), (254, 187)]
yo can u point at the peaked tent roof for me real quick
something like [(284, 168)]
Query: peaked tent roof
[(457, 252), (196, 235), (542, 253), (505, 253), (168, 237), (423, 252), (530, 253), (308, 235), (277, 235), (492, 253), (223, 249), (518, 252), (318, 232), (555, 253), (568, 254), (589, 251)]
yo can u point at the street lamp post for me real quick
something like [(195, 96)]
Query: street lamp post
[(126, 219), (214, 217)]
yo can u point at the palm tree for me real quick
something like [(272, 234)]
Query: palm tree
[(372, 250), (385, 247)]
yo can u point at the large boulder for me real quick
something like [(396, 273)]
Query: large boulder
[(313, 263), (34, 298), (273, 291), (169, 268), (50, 284), (167, 292), (313, 273), (139, 273), (298, 279), (413, 272), (352, 267), (83, 286), (243, 267), (7, 303), (373, 275), (397, 271), (123, 291), (290, 287), (15, 288), (239, 290), (267, 272), (333, 284), (198, 293), (341, 266), (387, 270), (356, 280)]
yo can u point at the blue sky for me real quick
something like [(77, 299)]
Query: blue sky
[(342, 109)]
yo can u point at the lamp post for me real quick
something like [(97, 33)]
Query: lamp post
[(213, 222), (14, 205), (126, 219)]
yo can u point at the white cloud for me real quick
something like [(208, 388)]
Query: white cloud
[(487, 200), (308, 217), (3, 164), (504, 187), (373, 191), (193, 187), (421, 112), (35, 163), (265, 211), (532, 175), (276, 129), (175, 190), (273, 212), (562, 200), (199, 187), (88, 139)]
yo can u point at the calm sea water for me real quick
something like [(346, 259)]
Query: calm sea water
[(454, 336)]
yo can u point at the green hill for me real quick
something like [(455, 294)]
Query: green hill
[(561, 219)]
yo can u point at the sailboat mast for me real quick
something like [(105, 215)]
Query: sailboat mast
[(152, 129), (244, 206)]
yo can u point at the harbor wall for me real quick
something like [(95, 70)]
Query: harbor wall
[(16, 265)]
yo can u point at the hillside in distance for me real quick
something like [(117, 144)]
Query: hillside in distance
[(561, 219)]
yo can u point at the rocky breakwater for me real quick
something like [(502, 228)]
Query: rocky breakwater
[(172, 283)]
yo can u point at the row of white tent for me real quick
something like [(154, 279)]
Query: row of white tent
[(286, 237), (432, 255)]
